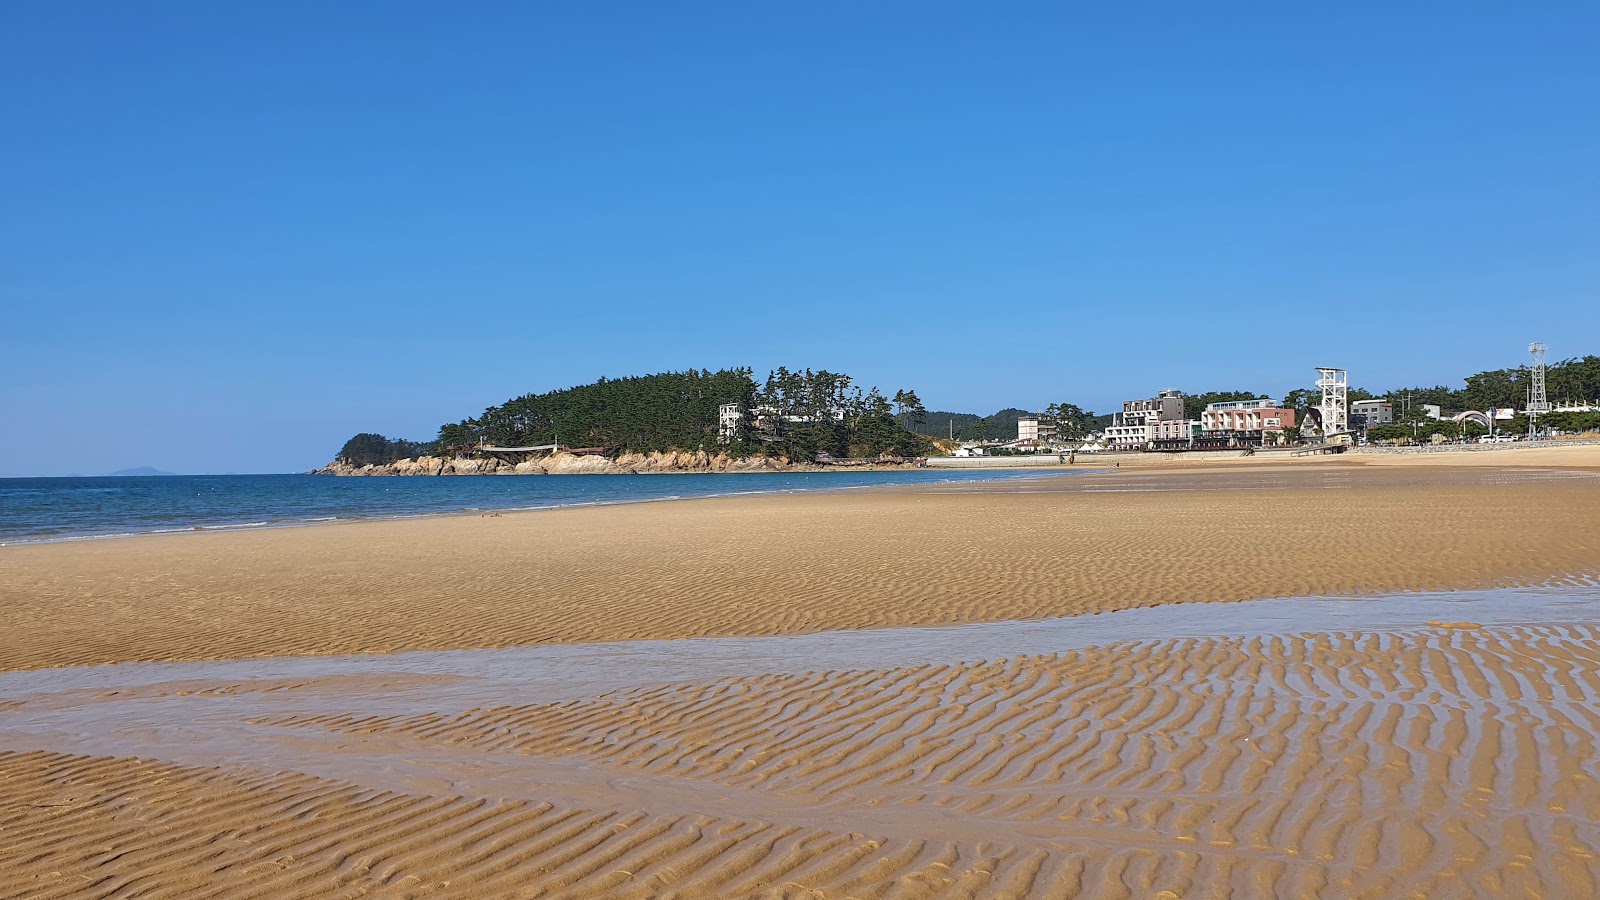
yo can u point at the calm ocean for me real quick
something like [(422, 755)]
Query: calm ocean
[(55, 509)]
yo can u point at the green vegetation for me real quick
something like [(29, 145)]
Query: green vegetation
[(1071, 421), (1571, 422), (1194, 404), (804, 414), (793, 414), (996, 425), (669, 411), (376, 450), (1570, 379)]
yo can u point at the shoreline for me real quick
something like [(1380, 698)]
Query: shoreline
[(896, 691), (803, 561), (496, 511)]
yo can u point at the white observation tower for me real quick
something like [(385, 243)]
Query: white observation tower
[(1538, 403), (1335, 384)]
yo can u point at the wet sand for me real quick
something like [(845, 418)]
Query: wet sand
[(1441, 759), (1416, 746), (797, 563)]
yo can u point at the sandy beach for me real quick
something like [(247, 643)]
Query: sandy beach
[(1439, 756)]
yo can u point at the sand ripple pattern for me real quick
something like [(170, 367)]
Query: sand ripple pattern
[(1437, 762), (794, 564)]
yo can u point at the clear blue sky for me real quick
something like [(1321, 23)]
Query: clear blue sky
[(232, 235)]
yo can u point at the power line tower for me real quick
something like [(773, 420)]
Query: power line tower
[(1335, 384), (1538, 403)]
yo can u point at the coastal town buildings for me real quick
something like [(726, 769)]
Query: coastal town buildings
[(1166, 406), (1175, 434), (1127, 437), (1242, 423), (1035, 431), (1261, 414), (764, 420), (1368, 413), (1141, 421)]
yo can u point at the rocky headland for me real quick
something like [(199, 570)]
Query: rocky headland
[(581, 464)]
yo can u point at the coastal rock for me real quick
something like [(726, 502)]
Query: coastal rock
[(422, 465), (583, 464), (569, 464), (461, 466)]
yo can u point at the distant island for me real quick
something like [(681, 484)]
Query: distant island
[(141, 470)]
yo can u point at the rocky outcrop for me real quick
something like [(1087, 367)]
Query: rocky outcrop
[(577, 464)]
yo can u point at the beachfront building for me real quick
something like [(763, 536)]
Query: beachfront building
[(1368, 413), (1261, 414), (1166, 406), (1136, 427), (1242, 423), (1128, 437), (1035, 431), (1178, 434)]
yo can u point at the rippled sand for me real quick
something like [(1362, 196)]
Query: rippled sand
[(1448, 759), (797, 563), (1421, 762)]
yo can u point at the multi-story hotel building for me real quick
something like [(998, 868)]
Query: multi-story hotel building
[(1139, 423), (1166, 406), (1244, 422), (1034, 430)]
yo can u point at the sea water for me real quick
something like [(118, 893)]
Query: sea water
[(34, 510)]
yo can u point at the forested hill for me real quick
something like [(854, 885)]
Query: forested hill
[(793, 414), (1002, 424)]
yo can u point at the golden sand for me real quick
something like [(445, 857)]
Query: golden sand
[(1454, 759), (1413, 763), (797, 563)]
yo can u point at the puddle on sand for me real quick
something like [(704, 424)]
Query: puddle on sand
[(456, 679), (211, 714)]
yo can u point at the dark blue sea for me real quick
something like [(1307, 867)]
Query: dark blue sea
[(54, 509)]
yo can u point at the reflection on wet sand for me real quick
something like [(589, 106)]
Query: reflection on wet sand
[(1422, 744)]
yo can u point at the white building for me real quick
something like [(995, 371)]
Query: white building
[(1034, 430), (1129, 437), (1373, 412)]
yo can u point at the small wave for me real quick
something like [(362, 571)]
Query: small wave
[(147, 522)]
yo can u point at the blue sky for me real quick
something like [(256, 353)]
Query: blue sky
[(232, 235)]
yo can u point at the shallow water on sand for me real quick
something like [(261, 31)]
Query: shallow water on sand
[(1261, 748), (454, 678)]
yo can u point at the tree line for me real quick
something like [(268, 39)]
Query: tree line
[(797, 414), (805, 414), (367, 449)]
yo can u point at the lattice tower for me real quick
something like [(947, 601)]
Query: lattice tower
[(1335, 384), (1538, 403)]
